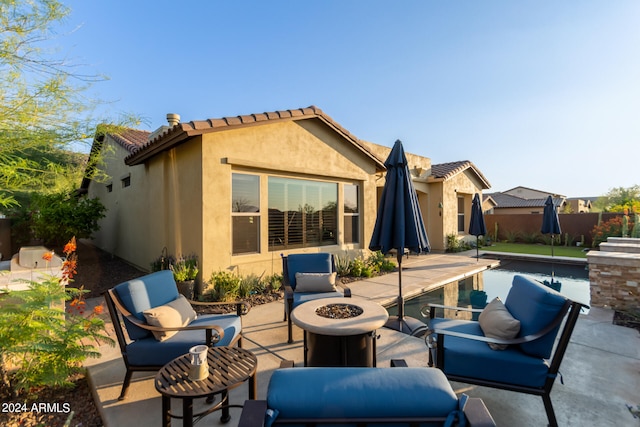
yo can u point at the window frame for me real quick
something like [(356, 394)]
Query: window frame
[(250, 214)]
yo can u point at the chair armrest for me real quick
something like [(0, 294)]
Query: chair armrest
[(432, 309), (242, 307), (477, 413), (527, 338), (398, 363), (288, 292), (253, 413), (346, 290)]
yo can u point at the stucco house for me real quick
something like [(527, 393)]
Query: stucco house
[(240, 191), (522, 200)]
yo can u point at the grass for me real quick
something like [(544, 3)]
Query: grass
[(536, 249)]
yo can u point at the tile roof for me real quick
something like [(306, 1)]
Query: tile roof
[(508, 201), (445, 171), (176, 134), (131, 139)]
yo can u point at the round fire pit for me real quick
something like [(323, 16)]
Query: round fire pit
[(339, 311), (339, 332)]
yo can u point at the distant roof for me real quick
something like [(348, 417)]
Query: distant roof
[(445, 171), (177, 134), (507, 201)]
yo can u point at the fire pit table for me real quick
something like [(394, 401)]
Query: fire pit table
[(340, 331)]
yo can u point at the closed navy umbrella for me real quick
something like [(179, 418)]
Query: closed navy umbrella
[(550, 225), (477, 226), (399, 226)]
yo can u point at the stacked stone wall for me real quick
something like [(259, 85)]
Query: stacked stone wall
[(614, 275)]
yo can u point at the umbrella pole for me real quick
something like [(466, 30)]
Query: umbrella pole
[(400, 298), (552, 272), (477, 250)]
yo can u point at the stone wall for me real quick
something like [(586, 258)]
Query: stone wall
[(614, 274)]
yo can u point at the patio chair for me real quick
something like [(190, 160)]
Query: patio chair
[(307, 277), (523, 330), (161, 324)]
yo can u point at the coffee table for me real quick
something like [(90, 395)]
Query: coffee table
[(228, 368), (340, 342)]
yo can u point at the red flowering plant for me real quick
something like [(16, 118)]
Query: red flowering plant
[(611, 228), (41, 342)]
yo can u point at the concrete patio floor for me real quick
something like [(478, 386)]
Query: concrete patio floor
[(601, 370)]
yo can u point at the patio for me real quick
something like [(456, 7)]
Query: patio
[(600, 370)]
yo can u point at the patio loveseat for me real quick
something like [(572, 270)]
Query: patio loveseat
[(363, 396)]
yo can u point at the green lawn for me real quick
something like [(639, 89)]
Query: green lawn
[(533, 249)]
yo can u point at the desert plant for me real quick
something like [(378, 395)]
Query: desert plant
[(356, 266), (533, 237), (251, 284), (513, 236), (379, 262), (224, 286), (45, 343), (185, 268), (273, 282), (453, 243), (343, 264)]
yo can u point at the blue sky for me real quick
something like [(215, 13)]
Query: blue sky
[(543, 94)]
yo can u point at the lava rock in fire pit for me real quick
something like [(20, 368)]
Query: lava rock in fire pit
[(339, 311)]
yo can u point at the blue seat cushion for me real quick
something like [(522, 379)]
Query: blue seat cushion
[(360, 392), (475, 359), (302, 297), (535, 306), (143, 293), (151, 352), (308, 263)]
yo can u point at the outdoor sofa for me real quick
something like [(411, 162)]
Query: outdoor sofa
[(399, 395)]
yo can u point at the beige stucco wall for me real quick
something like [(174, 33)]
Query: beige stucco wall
[(295, 149), (181, 199)]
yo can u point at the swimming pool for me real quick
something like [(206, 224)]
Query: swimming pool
[(574, 280)]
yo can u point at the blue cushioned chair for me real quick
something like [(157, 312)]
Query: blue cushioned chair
[(140, 349), (305, 263), (529, 364)]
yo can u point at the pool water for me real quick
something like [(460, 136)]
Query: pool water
[(574, 284)]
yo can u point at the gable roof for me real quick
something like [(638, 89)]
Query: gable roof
[(503, 200), (445, 171), (182, 131)]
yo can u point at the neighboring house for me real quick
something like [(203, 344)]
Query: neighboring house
[(580, 204), (240, 191), (523, 200)]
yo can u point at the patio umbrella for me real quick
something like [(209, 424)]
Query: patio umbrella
[(550, 225), (399, 226), (477, 226)]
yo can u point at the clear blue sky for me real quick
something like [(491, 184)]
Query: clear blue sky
[(543, 94)]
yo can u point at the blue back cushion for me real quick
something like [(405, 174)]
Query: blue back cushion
[(308, 263), (535, 306), (143, 293)]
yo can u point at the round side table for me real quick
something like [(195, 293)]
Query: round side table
[(228, 368)]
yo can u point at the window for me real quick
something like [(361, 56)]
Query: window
[(245, 213), (351, 214), (461, 214), (126, 181), (302, 213), (109, 187)]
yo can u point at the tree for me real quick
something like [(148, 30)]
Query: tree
[(619, 198), (42, 108)]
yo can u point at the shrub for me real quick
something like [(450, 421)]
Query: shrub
[(356, 266), (185, 268), (58, 217), (273, 282), (251, 284), (611, 228), (44, 342), (224, 286), (379, 262)]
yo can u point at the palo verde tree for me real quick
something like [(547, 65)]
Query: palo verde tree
[(43, 110)]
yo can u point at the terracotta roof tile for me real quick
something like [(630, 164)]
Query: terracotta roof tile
[(131, 139), (445, 171), (182, 131)]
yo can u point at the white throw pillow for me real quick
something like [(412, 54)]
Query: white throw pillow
[(172, 315), (315, 282), (496, 322)]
